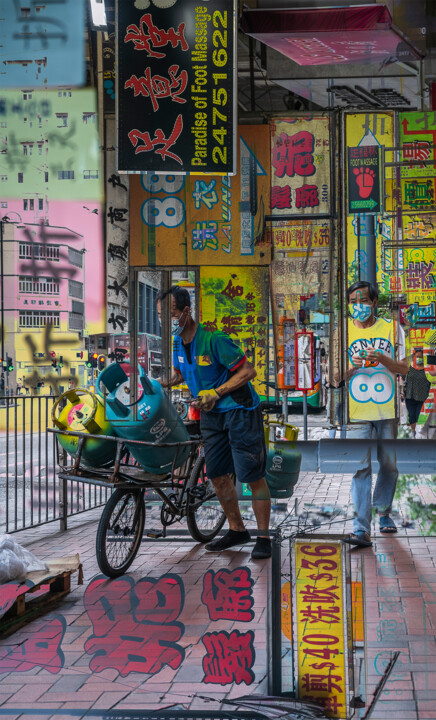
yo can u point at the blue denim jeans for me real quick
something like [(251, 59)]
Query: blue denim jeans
[(387, 475)]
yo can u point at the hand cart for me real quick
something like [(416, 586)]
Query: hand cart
[(185, 492)]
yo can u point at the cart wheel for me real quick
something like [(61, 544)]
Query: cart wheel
[(205, 516), (120, 530)]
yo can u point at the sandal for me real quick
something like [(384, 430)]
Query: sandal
[(361, 539), (387, 525)]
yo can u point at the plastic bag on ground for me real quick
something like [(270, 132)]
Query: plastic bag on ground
[(16, 561)]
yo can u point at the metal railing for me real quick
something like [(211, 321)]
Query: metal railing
[(31, 493)]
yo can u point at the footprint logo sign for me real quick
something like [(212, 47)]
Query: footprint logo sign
[(364, 179)]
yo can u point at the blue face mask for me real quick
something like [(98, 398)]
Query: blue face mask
[(176, 328), (359, 311)]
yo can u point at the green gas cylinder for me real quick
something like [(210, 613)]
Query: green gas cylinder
[(83, 412), (283, 461)]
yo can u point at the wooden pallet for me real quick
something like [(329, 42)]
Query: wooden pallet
[(29, 597)]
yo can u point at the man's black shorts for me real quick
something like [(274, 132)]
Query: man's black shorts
[(234, 442)]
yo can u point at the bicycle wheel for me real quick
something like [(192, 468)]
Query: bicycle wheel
[(119, 531), (205, 516)]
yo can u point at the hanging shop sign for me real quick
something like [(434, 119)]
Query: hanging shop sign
[(176, 105), (418, 194), (300, 160), (235, 300), (418, 144), (369, 238), (320, 608), (364, 179), (214, 220), (418, 280)]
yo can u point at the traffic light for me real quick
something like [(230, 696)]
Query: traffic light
[(101, 362), (61, 361), (89, 361), (94, 359), (9, 364), (54, 366)]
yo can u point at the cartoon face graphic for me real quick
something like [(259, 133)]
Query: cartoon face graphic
[(376, 387)]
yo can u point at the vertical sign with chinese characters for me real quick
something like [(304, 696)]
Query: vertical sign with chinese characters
[(364, 179), (117, 241), (320, 618), (300, 159), (236, 301), (176, 104), (214, 220)]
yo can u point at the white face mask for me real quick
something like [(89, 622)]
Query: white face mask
[(360, 311)]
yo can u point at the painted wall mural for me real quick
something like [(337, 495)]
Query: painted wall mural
[(52, 196)]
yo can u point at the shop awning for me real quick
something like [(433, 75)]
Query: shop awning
[(324, 36)]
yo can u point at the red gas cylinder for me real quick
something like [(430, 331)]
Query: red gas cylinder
[(194, 413)]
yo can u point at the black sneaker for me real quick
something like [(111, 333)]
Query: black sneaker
[(262, 549), (229, 540)]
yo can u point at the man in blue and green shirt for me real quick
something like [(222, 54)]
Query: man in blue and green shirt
[(217, 372)]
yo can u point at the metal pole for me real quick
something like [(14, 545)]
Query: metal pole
[(344, 276), (275, 677), (252, 85), (305, 413), (285, 405), (369, 247)]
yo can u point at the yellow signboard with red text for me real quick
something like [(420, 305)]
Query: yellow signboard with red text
[(235, 300), (320, 615)]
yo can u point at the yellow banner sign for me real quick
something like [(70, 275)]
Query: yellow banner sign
[(236, 301), (321, 621), (205, 219)]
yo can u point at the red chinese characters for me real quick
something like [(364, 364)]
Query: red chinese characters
[(230, 657), (228, 595), (157, 87), (41, 648), (149, 145), (146, 36), (419, 277), (320, 613), (231, 291), (306, 196), (231, 324), (135, 628), (281, 197), (294, 154)]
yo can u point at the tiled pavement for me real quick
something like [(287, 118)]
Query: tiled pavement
[(400, 602)]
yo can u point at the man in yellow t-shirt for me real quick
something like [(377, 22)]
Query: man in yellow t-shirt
[(377, 354)]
